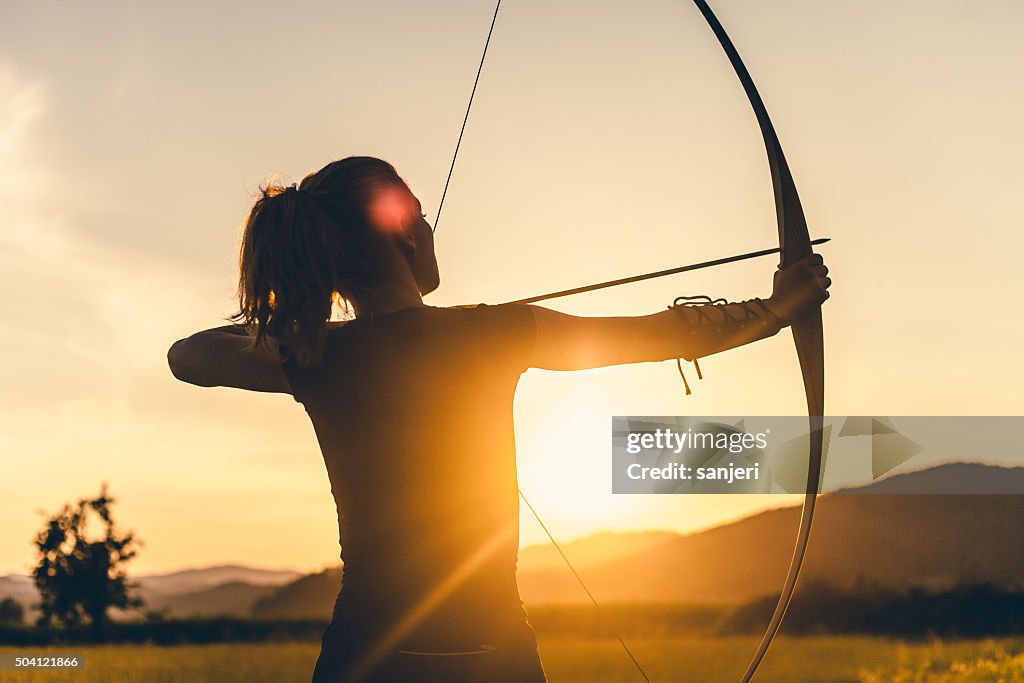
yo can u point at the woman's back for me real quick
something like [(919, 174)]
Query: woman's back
[(413, 412)]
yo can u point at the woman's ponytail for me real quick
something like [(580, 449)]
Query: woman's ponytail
[(287, 271), (305, 248)]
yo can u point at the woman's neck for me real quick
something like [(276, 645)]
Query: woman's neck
[(394, 287), (389, 298)]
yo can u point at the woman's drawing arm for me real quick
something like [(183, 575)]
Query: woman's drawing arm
[(226, 357)]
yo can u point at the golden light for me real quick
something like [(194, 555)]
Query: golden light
[(563, 459)]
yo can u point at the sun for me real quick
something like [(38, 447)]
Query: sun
[(564, 453)]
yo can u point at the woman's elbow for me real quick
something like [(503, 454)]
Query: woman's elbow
[(182, 365)]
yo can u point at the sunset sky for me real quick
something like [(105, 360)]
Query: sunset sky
[(607, 138)]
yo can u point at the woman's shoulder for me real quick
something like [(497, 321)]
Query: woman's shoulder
[(497, 319), (494, 315), (493, 309), (507, 328)]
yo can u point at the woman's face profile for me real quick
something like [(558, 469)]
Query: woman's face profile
[(423, 261), (396, 211)]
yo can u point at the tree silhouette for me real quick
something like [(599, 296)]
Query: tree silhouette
[(80, 575)]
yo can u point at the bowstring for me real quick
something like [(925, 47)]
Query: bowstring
[(533, 511), (465, 119), (579, 579)]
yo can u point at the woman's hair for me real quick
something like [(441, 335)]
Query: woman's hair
[(305, 248)]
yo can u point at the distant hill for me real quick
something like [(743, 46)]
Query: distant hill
[(894, 540), (898, 541), (867, 536), (311, 596), (20, 588), (229, 590), (590, 550), (952, 478), (233, 599), (201, 578)]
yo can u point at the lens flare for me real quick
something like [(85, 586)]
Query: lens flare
[(392, 208)]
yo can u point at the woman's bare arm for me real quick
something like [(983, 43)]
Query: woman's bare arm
[(225, 357), (566, 342)]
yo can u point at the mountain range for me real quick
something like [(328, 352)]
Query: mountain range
[(228, 590), (863, 536)]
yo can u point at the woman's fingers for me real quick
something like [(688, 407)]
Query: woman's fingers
[(801, 287)]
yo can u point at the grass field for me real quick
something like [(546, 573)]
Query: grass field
[(587, 660)]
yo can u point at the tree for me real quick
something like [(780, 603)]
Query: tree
[(11, 612), (81, 573)]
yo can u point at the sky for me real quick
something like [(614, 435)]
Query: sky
[(606, 139)]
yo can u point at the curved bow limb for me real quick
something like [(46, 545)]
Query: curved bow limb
[(795, 244)]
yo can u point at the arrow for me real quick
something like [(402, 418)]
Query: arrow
[(655, 274)]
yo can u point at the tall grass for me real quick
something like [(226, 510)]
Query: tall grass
[(578, 659)]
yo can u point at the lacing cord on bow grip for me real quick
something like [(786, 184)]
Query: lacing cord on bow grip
[(702, 305)]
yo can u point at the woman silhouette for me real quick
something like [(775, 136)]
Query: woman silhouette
[(412, 407)]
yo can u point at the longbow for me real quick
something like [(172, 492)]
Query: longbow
[(794, 244)]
